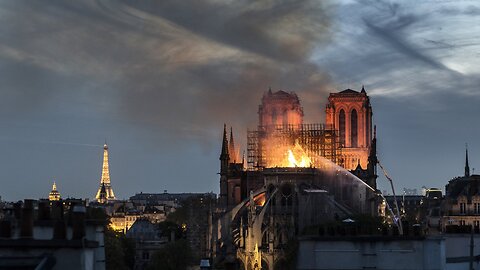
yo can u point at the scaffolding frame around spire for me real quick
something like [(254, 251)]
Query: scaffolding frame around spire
[(317, 140)]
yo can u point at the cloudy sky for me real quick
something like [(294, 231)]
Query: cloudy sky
[(157, 80)]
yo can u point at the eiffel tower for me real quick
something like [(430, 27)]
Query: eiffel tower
[(105, 180)]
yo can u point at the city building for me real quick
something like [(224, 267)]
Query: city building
[(166, 198), (461, 206), (46, 235), (148, 240), (372, 252), (431, 209), (54, 195), (154, 207), (409, 205), (122, 221)]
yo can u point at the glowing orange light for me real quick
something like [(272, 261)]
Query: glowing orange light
[(287, 155), (260, 199), (303, 161)]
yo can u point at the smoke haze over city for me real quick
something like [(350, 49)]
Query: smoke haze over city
[(158, 80)]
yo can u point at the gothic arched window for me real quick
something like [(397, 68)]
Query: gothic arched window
[(341, 124), (354, 128), (285, 118), (274, 117)]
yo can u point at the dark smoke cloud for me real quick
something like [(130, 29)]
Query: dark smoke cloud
[(182, 67), (281, 30), (239, 49)]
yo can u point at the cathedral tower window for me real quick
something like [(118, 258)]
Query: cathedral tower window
[(354, 128), (341, 126), (462, 208)]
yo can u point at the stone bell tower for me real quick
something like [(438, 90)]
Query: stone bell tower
[(280, 109), (349, 112)]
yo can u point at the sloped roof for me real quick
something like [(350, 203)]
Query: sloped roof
[(349, 91), (466, 186), (281, 94)]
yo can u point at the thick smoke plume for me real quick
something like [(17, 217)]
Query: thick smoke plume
[(182, 67)]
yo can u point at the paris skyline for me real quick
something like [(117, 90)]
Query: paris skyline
[(158, 81)]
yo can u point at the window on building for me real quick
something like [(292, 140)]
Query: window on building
[(463, 209), (354, 128), (341, 126), (145, 255)]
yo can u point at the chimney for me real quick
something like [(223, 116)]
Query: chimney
[(43, 211), (26, 224), (17, 210), (78, 221), (59, 229), (5, 228), (56, 210)]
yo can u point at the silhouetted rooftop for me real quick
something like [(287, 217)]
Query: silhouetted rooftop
[(351, 91), (280, 95), (465, 185)]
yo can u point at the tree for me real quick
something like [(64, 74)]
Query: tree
[(119, 251), (167, 227), (174, 256)]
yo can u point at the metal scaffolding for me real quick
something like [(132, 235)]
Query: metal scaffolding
[(317, 140)]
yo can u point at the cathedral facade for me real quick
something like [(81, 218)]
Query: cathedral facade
[(296, 176), (349, 112)]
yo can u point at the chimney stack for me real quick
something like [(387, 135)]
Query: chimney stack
[(26, 224), (5, 228), (59, 229), (17, 210), (78, 221), (43, 210)]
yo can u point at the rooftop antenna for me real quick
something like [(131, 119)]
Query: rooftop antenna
[(467, 168)]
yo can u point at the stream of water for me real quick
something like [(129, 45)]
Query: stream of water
[(339, 168)]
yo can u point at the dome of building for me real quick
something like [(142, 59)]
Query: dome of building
[(54, 194)]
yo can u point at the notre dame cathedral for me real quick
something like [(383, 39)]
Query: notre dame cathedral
[(296, 175)]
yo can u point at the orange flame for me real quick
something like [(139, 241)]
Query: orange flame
[(297, 157), (304, 161), (287, 156)]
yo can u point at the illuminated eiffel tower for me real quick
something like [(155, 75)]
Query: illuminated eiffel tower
[(107, 193)]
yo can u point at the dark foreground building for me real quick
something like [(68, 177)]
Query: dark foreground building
[(51, 235)]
